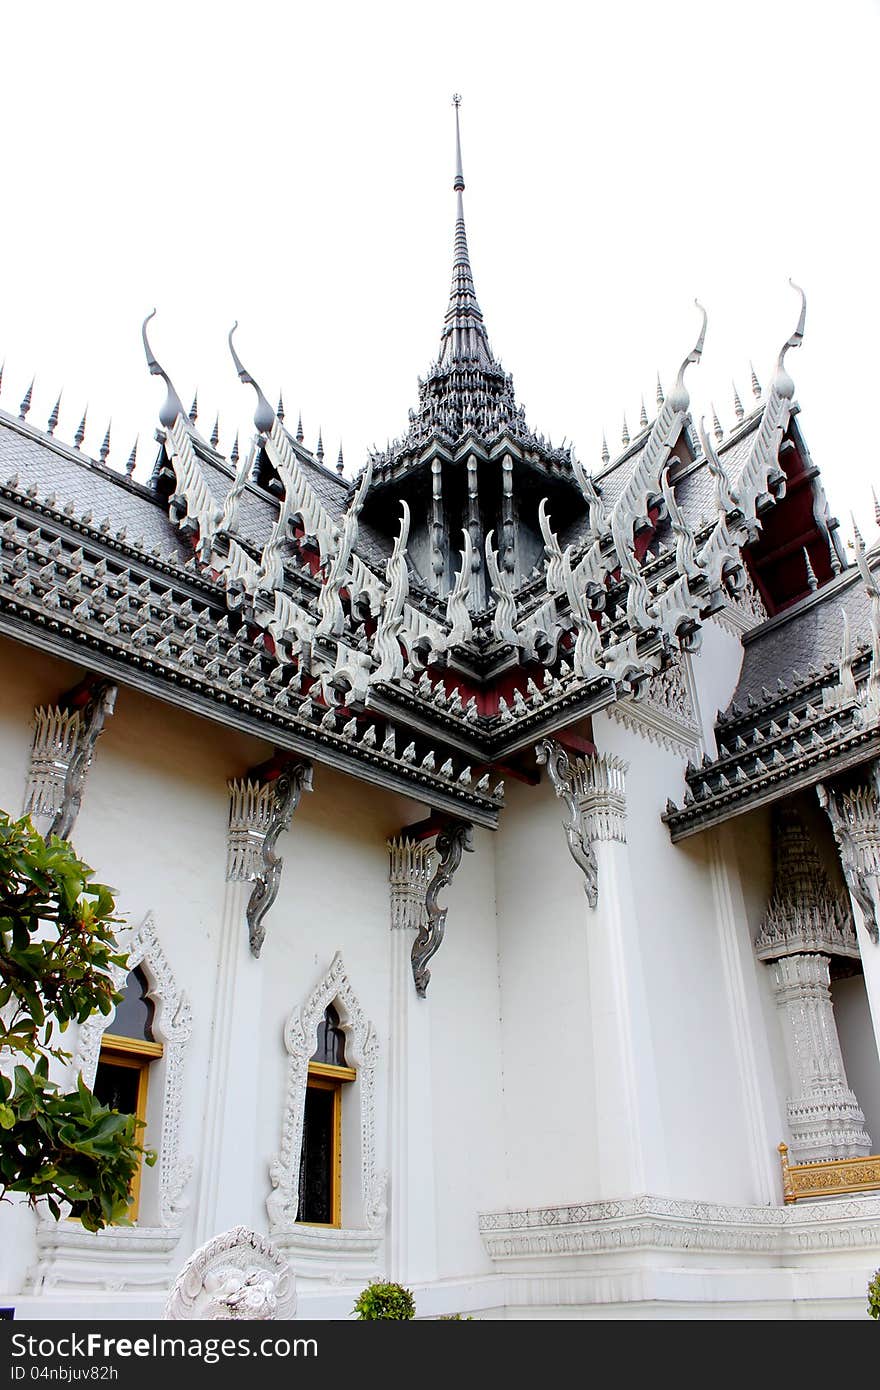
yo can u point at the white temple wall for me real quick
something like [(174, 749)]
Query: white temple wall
[(546, 1029), (704, 1125), (715, 669), (751, 840), (463, 996), (856, 1034)]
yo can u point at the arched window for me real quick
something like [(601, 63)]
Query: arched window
[(320, 1171), (128, 1048)]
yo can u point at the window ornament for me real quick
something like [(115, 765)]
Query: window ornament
[(361, 1049), (172, 1027)]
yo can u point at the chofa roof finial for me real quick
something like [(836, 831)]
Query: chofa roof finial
[(172, 406), (678, 398), (264, 415), (782, 382)]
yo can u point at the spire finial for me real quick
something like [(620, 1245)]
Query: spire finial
[(716, 424), (105, 447), (280, 408), (131, 461), (643, 416), (80, 431), (194, 408), (660, 396), (53, 418), (756, 385), (215, 432), (340, 465), (458, 185), (737, 404), (606, 457), (624, 433), (857, 535), (26, 401), (319, 451), (299, 429), (812, 581)]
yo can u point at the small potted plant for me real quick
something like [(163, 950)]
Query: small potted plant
[(874, 1296)]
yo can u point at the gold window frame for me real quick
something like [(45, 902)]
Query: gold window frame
[(322, 1076)]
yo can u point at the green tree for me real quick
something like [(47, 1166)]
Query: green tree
[(57, 948)]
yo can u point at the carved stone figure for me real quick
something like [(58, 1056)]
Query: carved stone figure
[(237, 1276)]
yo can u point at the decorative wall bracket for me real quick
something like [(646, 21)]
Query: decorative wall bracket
[(593, 791), (855, 820), (64, 742), (451, 842), (276, 812)]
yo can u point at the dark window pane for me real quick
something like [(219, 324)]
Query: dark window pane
[(331, 1040), (134, 1016), (117, 1086), (316, 1163)]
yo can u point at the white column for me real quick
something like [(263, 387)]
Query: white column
[(823, 1113), (855, 820), (631, 1146), (232, 1189), (413, 1233)]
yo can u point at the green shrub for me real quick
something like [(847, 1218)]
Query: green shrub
[(384, 1300), (874, 1296)]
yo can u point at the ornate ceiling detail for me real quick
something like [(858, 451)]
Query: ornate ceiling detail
[(804, 913)]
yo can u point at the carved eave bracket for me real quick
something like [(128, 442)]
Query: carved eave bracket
[(855, 820), (593, 793), (64, 743), (451, 843), (278, 802)]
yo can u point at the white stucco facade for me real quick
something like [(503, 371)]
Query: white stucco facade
[(583, 1112)]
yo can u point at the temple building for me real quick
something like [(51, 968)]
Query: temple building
[(498, 845)]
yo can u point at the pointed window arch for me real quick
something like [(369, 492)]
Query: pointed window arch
[(331, 1010), (153, 1004)]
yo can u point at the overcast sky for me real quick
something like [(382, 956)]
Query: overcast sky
[(290, 166)]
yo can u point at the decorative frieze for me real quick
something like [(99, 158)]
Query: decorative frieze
[(409, 876), (804, 913), (665, 714), (450, 845), (855, 820), (61, 755), (823, 1114), (666, 1223), (593, 790)]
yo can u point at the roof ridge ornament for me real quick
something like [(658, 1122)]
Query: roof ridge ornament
[(782, 382), (678, 397), (264, 415), (172, 406)]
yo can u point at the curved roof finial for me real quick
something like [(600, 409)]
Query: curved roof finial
[(458, 185), (678, 397), (782, 382), (264, 415), (172, 405)]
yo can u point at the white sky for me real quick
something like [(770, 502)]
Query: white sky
[(290, 165)]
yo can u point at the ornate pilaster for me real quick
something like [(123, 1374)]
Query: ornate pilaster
[(451, 843), (64, 743), (593, 792), (412, 1232), (807, 923), (823, 1114), (272, 808)]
